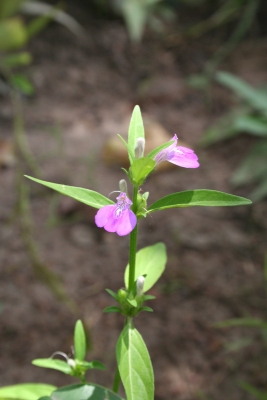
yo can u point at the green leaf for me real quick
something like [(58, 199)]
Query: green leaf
[(253, 167), (250, 124), (246, 322), (45, 398), (225, 128), (254, 391), (86, 196), (8, 8), (112, 294), (13, 34), (134, 365), (135, 15), (199, 197), (93, 365), (38, 24), (112, 309), (140, 169), (145, 308), (84, 392), (17, 59), (131, 154), (21, 83), (256, 98), (132, 302), (136, 130), (47, 10), (150, 261), (154, 152), (79, 341), (59, 365), (26, 391), (149, 297)]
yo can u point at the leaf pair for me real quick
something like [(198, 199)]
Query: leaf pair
[(191, 198), (76, 367)]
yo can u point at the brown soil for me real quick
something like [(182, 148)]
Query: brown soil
[(85, 92)]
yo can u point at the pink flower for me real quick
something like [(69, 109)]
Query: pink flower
[(179, 155), (118, 217)]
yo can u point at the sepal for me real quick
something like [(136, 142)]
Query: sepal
[(145, 308), (112, 294), (142, 205), (112, 309)]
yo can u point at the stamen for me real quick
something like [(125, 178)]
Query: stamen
[(123, 204), (114, 191), (61, 354)]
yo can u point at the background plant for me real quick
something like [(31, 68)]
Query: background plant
[(16, 32), (249, 117)]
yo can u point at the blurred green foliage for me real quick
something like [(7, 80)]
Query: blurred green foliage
[(139, 13), (240, 14), (15, 33), (213, 14), (250, 117)]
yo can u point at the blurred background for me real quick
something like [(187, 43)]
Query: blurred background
[(70, 75)]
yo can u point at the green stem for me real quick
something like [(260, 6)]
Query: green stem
[(132, 258), (133, 245)]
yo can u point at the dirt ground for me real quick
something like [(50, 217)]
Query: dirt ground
[(85, 92)]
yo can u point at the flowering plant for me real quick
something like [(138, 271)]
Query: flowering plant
[(134, 367)]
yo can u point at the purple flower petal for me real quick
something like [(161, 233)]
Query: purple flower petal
[(178, 155), (103, 215), (113, 223), (184, 157), (118, 217), (127, 223)]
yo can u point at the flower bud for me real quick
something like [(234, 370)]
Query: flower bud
[(123, 186), (140, 286), (139, 148), (71, 363)]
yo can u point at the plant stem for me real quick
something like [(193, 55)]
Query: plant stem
[(133, 244), (132, 258)]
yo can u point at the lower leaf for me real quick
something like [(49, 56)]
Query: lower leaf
[(134, 364)]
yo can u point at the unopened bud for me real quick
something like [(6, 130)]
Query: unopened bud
[(140, 286), (71, 363), (139, 148), (123, 186)]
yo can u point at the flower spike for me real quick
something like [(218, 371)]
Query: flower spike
[(178, 155), (117, 218)]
